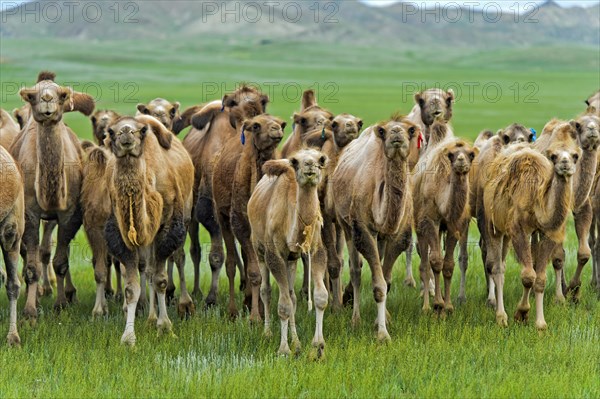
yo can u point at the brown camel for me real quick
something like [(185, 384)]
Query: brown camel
[(490, 148), (151, 194), (237, 170), (12, 225), (587, 128), (431, 104), (528, 192), (373, 203), (310, 118), (441, 206), (285, 219), (49, 154), (165, 111), (8, 129), (212, 128)]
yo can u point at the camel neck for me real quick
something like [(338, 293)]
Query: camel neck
[(557, 203), (391, 196), (459, 191), (583, 179), (307, 217), (51, 176)]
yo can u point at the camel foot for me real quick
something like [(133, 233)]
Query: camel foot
[(151, 320), (210, 301), (14, 341), (30, 313), (438, 306), (267, 333), (71, 296), (461, 299), (232, 312), (426, 309), (541, 325), (109, 293), (574, 292), (284, 350), (449, 308), (197, 293), (255, 318), (165, 327), (186, 309), (522, 315), (560, 300), (60, 304), (355, 320), (317, 351), (491, 303), (100, 312), (128, 338), (410, 282), (502, 319), (118, 296), (383, 337), (141, 307), (296, 346)]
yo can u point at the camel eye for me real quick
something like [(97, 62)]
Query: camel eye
[(575, 157), (381, 132), (334, 125), (256, 127), (111, 133), (506, 139), (471, 156), (451, 156), (553, 157), (143, 131), (173, 111), (411, 131)]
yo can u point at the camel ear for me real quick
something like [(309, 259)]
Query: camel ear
[(450, 98), (229, 101), (65, 94), (576, 126), (334, 126), (587, 102), (299, 119), (323, 161), (282, 123), (360, 124), (264, 100), (294, 162), (419, 99), (28, 95), (143, 109)]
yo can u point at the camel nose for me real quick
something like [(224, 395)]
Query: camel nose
[(521, 140), (46, 97)]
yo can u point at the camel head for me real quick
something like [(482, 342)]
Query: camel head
[(461, 156), (266, 131), (345, 128), (246, 99), (308, 165), (47, 101), (588, 131), (564, 156), (127, 137), (435, 103), (101, 120), (22, 115), (312, 118), (165, 111), (515, 133), (395, 136)]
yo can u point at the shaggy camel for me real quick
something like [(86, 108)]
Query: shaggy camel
[(165, 111), (441, 193), (587, 128), (212, 128), (8, 129), (237, 170), (490, 148), (151, 193), (49, 154), (373, 203), (12, 225), (310, 118), (285, 219), (528, 192)]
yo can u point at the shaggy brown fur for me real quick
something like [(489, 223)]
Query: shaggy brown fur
[(285, 220), (8, 129), (373, 203), (151, 193), (479, 174), (165, 111), (441, 193), (101, 120), (310, 118), (49, 153), (238, 168), (528, 193), (12, 225), (212, 129), (587, 130)]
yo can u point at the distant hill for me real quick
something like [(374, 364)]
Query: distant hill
[(336, 21)]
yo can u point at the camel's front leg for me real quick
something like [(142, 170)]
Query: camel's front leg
[(11, 260), (583, 222), (48, 276), (448, 270), (320, 298), (33, 267), (265, 296), (278, 268), (545, 247), (185, 307), (291, 275), (463, 263), (523, 249), (132, 294)]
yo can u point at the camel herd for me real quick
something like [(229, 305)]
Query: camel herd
[(139, 190)]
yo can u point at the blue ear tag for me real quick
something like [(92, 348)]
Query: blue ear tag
[(323, 133), (243, 137), (532, 130), (222, 107), (293, 126)]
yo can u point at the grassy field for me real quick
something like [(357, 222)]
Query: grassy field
[(463, 355)]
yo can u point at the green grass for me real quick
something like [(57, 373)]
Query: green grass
[(464, 355)]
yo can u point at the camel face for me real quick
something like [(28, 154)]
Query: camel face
[(248, 100), (589, 132), (435, 103), (127, 137), (101, 120), (308, 165), (345, 129), (163, 110), (461, 157), (564, 156), (267, 131), (46, 99), (396, 138), (516, 133), (313, 118)]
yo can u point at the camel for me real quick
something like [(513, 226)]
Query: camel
[(285, 219), (151, 194), (488, 150), (8, 129), (311, 117), (528, 192), (49, 154), (12, 225), (212, 128), (237, 170), (165, 111), (373, 204), (587, 128), (441, 194)]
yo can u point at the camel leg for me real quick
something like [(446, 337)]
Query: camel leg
[(185, 307), (495, 267), (100, 260), (393, 249), (320, 296), (10, 252), (583, 221), (278, 269), (109, 291), (523, 252), (170, 291), (205, 214), (334, 262), (423, 250), (152, 313), (305, 278), (558, 261), (48, 276), (595, 245), (409, 280), (196, 255), (463, 263), (429, 237), (159, 282), (33, 266), (142, 302), (366, 244), (355, 277), (118, 274), (448, 270), (230, 266), (70, 290), (291, 276), (545, 247), (265, 295), (66, 233)]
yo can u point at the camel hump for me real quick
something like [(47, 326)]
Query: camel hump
[(277, 167), (185, 119), (205, 116), (308, 99)]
